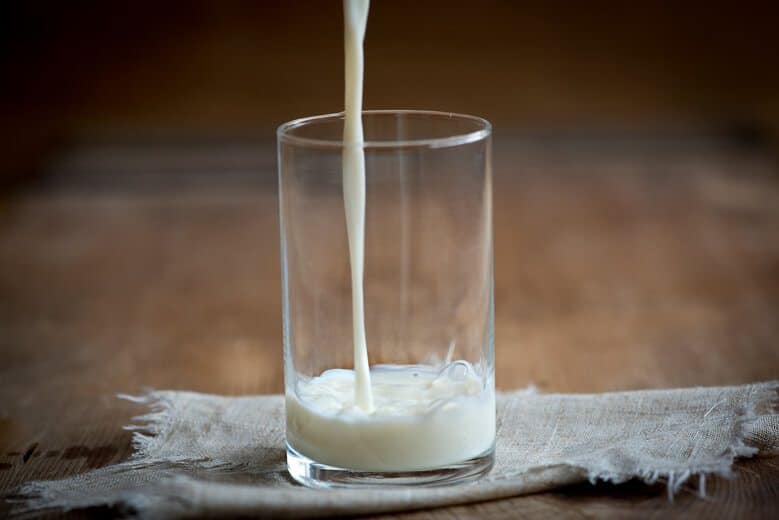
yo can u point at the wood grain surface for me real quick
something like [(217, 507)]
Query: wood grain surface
[(619, 264)]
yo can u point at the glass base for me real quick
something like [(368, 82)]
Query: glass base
[(316, 475)]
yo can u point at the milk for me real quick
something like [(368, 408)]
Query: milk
[(423, 418), (391, 417), (355, 19)]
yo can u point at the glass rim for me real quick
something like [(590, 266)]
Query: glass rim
[(484, 131)]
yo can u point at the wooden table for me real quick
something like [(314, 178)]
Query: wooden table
[(620, 264)]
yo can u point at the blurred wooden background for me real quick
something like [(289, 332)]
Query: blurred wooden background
[(77, 71), (636, 205)]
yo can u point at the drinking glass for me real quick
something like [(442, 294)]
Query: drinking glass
[(428, 289)]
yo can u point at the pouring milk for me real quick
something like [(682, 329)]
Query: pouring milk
[(391, 417)]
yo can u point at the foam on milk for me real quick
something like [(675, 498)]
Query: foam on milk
[(424, 417)]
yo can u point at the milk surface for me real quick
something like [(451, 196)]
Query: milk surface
[(424, 417)]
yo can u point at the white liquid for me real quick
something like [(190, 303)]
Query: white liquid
[(412, 417), (355, 19), (424, 417)]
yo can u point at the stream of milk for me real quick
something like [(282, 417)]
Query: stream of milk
[(355, 20)]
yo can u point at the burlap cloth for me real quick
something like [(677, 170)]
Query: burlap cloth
[(201, 455)]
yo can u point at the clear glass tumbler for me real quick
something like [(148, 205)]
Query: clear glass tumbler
[(428, 301)]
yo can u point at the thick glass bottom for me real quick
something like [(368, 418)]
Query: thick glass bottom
[(316, 475)]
